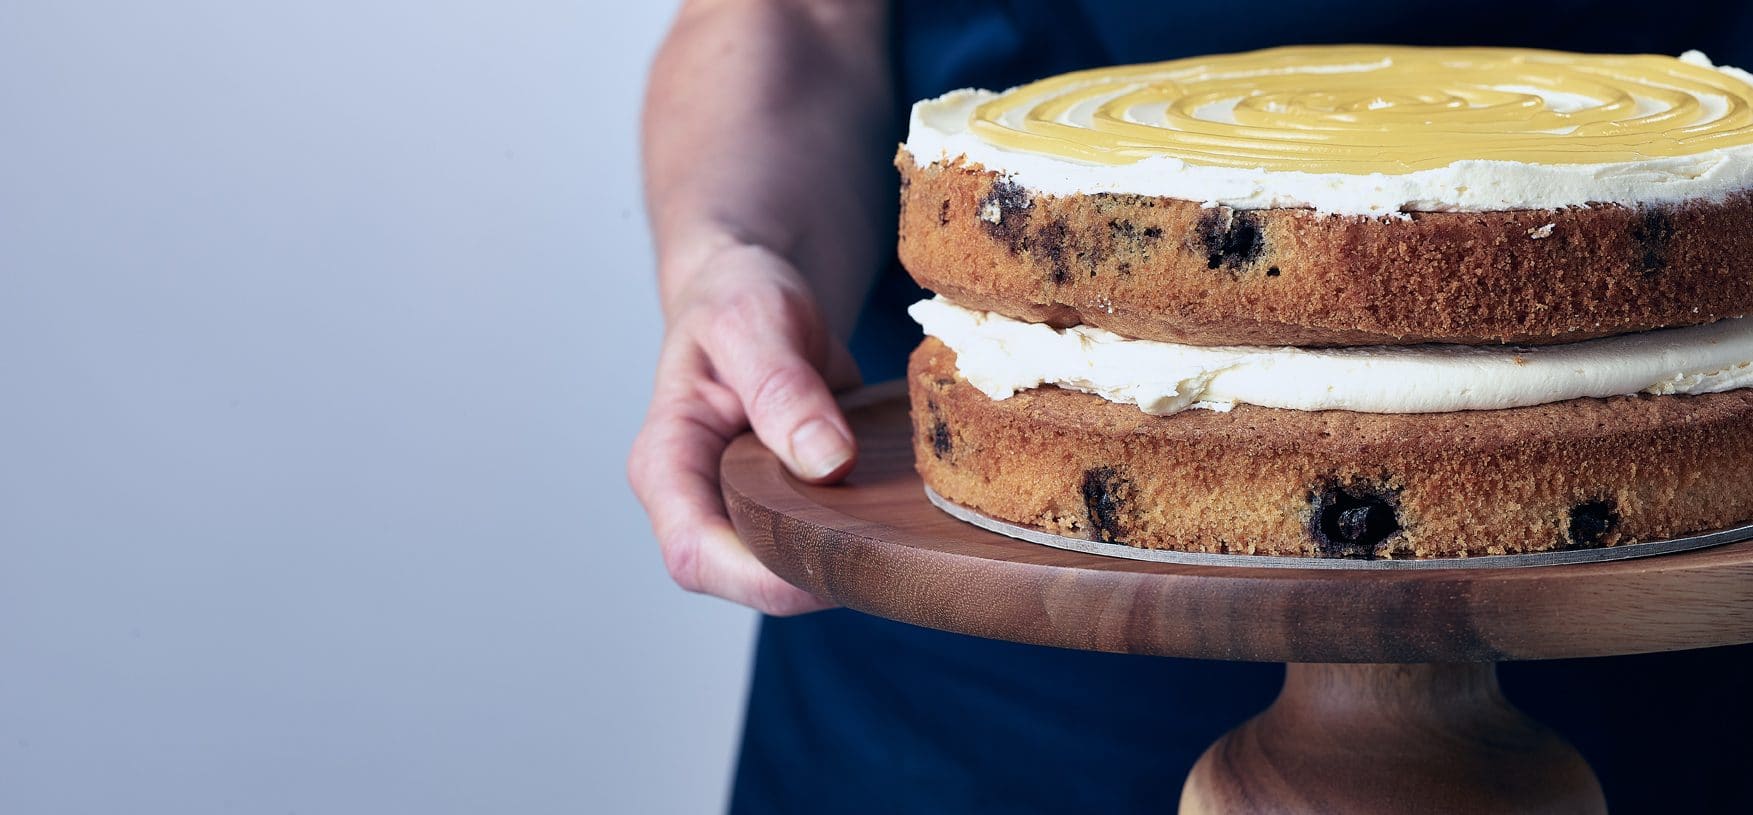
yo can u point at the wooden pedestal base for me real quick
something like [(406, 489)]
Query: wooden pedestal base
[(1430, 738)]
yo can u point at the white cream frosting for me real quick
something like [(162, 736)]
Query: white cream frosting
[(1001, 356), (940, 132)]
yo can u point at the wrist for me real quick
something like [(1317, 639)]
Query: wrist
[(711, 267)]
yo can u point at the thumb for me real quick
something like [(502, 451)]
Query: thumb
[(757, 352)]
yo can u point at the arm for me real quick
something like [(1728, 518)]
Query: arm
[(765, 136)]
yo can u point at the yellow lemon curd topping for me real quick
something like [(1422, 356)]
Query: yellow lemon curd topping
[(1363, 109)]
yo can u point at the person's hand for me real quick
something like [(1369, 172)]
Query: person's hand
[(745, 345)]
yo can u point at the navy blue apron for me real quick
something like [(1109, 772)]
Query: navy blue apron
[(848, 713)]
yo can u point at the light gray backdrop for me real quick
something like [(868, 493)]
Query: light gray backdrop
[(324, 328)]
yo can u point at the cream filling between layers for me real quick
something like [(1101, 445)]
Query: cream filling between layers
[(1001, 356)]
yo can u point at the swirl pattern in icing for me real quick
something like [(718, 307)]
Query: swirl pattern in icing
[(1376, 109)]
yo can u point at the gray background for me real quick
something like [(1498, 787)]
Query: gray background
[(324, 329)]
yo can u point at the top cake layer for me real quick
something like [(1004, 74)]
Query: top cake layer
[(1365, 130)]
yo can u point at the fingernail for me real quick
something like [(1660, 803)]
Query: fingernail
[(818, 449)]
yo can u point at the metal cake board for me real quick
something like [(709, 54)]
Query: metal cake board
[(1120, 550)]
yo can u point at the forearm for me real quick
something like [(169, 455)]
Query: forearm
[(766, 125)]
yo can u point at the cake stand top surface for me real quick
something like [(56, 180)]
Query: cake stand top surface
[(875, 543)]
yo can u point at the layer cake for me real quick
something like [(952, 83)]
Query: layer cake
[(1354, 301)]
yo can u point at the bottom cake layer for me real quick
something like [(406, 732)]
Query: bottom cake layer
[(1576, 474)]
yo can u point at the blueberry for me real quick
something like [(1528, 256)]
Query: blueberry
[(1590, 521), (1352, 520), (1105, 493), (1654, 232), (1230, 239), (940, 438)]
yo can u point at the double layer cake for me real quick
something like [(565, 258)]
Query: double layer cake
[(1351, 301)]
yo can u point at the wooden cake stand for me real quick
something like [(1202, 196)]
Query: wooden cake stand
[(1391, 701)]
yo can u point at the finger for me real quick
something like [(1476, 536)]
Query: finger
[(727, 569), (756, 343), (674, 472)]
